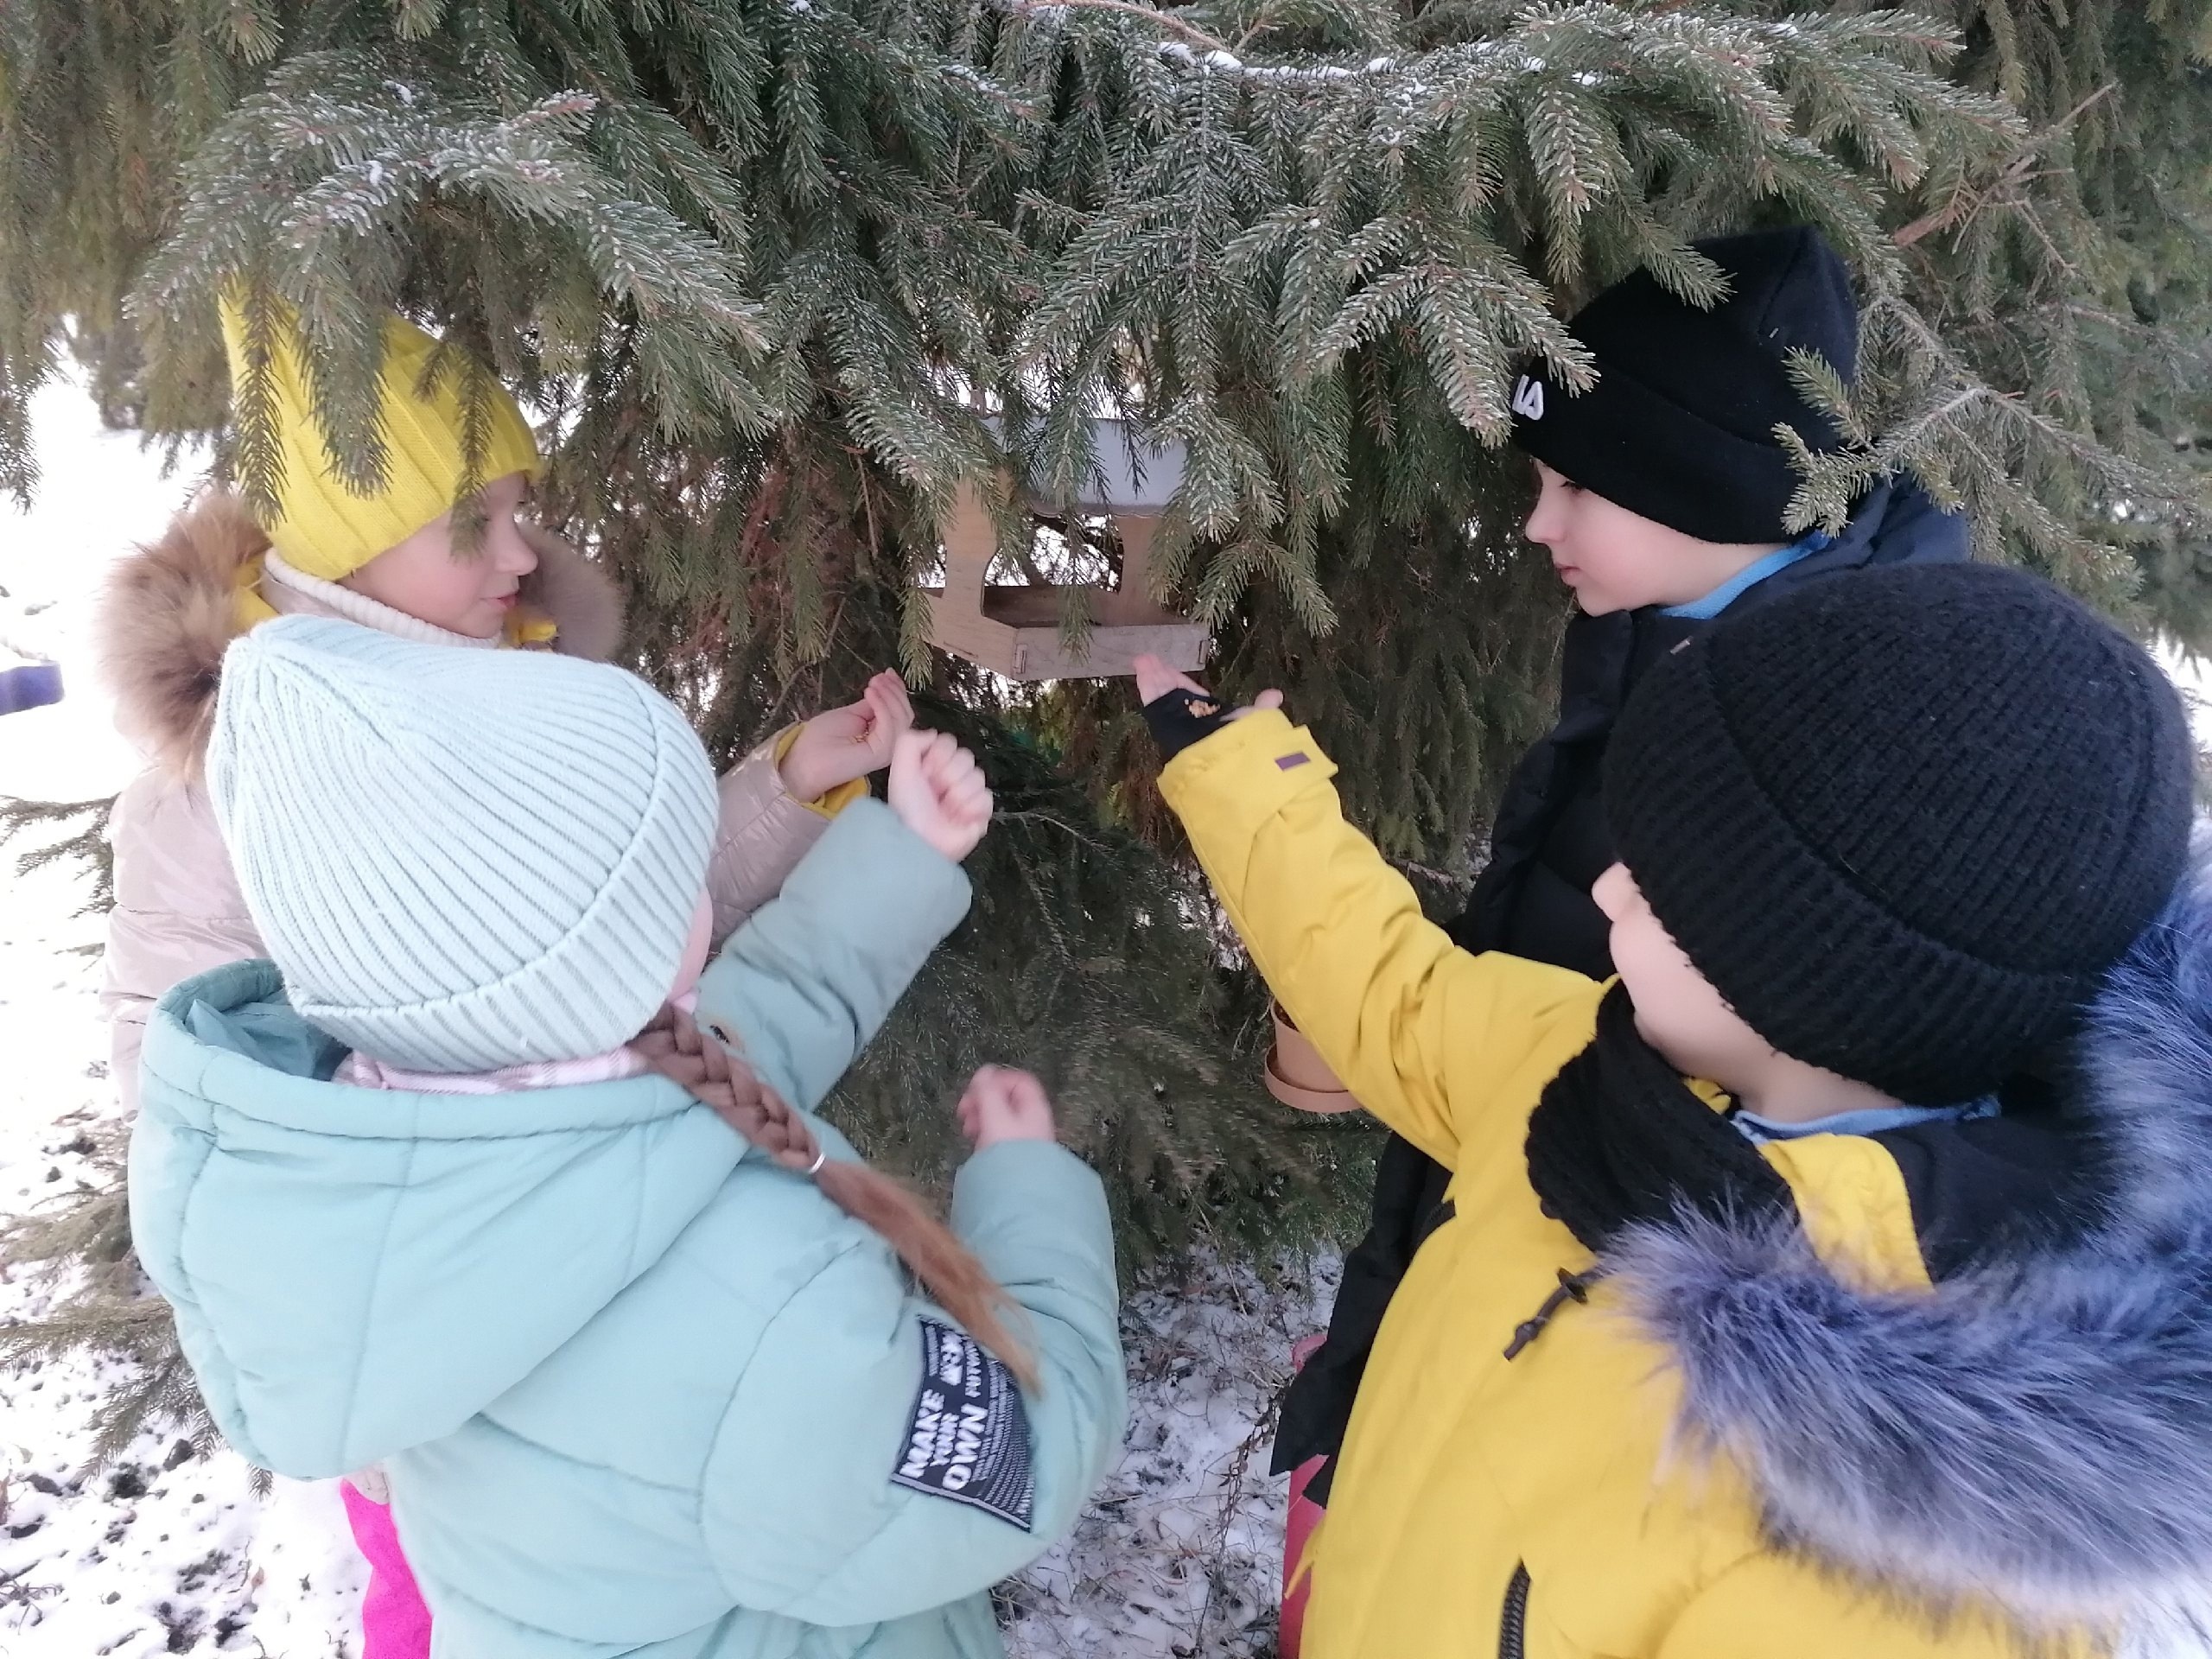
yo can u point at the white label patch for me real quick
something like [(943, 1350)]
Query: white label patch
[(1528, 398), (968, 1439)]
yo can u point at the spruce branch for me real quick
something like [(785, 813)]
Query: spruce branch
[(761, 266), (1965, 203), (85, 842), (1151, 15)]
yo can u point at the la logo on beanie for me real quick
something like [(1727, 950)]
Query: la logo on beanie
[(1528, 398)]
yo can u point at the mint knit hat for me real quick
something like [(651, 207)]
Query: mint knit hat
[(459, 860)]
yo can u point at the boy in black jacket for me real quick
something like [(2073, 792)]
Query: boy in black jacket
[(1662, 493)]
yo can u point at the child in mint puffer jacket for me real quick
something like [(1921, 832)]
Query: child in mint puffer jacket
[(453, 1184)]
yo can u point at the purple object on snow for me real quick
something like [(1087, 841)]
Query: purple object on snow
[(31, 687)]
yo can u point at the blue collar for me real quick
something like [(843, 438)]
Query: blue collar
[(1704, 610), (1871, 1120)]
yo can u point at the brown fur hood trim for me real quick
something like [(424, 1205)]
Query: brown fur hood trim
[(169, 614), (167, 617)]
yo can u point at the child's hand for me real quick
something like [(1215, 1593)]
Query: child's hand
[(938, 792), (1003, 1104), (839, 744), (1155, 679), (1178, 710)]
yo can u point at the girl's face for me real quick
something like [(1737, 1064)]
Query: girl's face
[(470, 594), (694, 950), (1677, 1010), (1616, 560)]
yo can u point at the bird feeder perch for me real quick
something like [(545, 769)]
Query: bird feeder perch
[(1015, 630)]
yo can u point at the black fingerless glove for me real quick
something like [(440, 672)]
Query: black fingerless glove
[(1180, 718)]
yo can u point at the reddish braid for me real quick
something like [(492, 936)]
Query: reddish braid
[(674, 1045)]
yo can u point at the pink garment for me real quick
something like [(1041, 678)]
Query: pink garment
[(1297, 1534), (395, 1619), (359, 1071)]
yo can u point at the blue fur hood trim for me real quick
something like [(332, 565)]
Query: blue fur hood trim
[(2038, 1432)]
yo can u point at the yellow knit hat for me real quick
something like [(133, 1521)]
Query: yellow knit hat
[(323, 527)]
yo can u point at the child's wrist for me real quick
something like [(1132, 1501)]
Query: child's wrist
[(990, 1138), (1180, 717), (825, 796), (791, 765), (930, 837), (800, 785)]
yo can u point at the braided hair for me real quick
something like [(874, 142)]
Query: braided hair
[(674, 1046)]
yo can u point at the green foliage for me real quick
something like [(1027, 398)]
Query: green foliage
[(80, 832), (1081, 962), (2044, 358), (765, 267), (81, 1243)]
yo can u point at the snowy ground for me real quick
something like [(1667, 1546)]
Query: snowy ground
[(164, 1552)]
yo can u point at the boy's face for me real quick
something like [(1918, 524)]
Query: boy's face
[(1616, 560), (1677, 1010), (425, 576)]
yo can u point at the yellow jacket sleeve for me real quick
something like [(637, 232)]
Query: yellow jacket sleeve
[(1425, 1035)]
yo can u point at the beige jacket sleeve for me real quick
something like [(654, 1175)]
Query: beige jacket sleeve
[(178, 911), (763, 833)]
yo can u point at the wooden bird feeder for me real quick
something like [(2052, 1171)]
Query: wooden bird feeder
[(1015, 629)]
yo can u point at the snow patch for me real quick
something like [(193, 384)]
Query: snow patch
[(1181, 1552), (1228, 63)]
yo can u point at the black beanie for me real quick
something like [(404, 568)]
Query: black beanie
[(1680, 427), (1904, 818)]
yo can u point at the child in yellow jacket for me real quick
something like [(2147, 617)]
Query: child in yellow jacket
[(1835, 1282)]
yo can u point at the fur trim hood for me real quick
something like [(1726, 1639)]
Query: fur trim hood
[(2037, 1430), (168, 615)]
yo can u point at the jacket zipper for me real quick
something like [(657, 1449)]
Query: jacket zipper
[(1513, 1623), (1573, 1286)]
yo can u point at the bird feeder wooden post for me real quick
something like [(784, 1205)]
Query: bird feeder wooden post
[(1015, 630)]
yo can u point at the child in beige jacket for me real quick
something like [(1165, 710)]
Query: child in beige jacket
[(387, 561)]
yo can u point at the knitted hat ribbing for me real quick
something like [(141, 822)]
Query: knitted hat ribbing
[(1680, 427), (459, 860), (1905, 818), (325, 528)]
